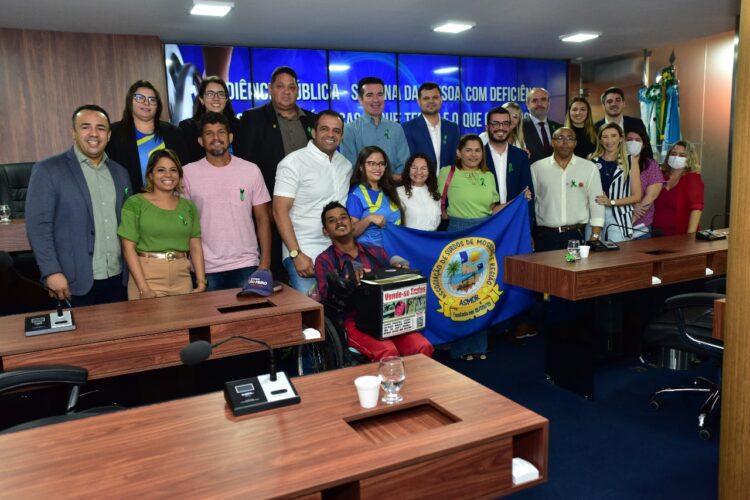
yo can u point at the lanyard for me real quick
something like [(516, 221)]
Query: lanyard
[(374, 207)]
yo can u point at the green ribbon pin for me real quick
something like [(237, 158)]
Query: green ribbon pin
[(182, 218), (387, 133), (242, 194), (510, 167)]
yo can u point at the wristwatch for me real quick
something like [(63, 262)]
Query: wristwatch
[(612, 202), (594, 236), (294, 253)]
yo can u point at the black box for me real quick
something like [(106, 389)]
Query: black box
[(391, 306)]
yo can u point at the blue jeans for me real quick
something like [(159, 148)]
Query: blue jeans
[(234, 278), (302, 285)]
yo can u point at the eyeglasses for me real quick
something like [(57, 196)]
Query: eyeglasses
[(210, 94), (496, 124), (370, 163), (140, 98), (564, 138)]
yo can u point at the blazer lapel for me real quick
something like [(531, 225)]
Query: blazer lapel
[(80, 181)]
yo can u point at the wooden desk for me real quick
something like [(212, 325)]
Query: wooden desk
[(13, 237), (133, 336), (450, 438), (672, 259), (582, 334)]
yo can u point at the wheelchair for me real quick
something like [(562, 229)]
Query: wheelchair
[(333, 352)]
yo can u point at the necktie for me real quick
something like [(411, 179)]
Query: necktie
[(545, 139)]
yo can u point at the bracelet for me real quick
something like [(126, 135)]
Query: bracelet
[(202, 282)]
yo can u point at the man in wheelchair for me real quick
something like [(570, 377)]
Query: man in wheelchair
[(338, 271)]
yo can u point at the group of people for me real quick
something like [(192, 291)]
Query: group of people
[(207, 204)]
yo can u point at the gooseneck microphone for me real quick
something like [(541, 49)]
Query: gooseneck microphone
[(199, 351), (710, 234), (252, 394)]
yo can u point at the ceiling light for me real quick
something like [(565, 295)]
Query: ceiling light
[(338, 68), (445, 71), (581, 36), (211, 8), (453, 27)]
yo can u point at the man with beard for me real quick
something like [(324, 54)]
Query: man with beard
[(428, 133), (613, 103), (537, 129), (509, 164), (306, 181), (232, 201)]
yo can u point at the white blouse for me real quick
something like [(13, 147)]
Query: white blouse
[(420, 209)]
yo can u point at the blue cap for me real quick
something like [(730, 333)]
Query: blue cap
[(258, 283)]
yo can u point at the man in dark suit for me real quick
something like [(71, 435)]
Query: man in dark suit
[(428, 133), (73, 207), (613, 103), (537, 129), (267, 133), (509, 164)]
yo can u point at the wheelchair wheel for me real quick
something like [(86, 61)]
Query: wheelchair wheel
[(323, 356)]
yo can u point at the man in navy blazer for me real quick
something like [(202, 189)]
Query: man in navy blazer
[(73, 209), (428, 133), (613, 102), (509, 164)]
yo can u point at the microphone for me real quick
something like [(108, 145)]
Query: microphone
[(710, 234), (252, 394), (621, 226)]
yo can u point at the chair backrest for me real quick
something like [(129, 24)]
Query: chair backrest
[(679, 303), (14, 182)]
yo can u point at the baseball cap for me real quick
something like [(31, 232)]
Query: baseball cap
[(258, 283)]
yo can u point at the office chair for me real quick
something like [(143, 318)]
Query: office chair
[(18, 294), (689, 328), (35, 377)]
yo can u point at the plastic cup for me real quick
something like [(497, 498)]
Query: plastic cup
[(584, 251), (368, 390)]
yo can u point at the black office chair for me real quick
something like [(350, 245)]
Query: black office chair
[(36, 377), (19, 294), (687, 325), (14, 182)]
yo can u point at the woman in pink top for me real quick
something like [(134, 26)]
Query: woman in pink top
[(652, 180)]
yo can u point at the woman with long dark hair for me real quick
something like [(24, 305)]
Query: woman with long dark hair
[(419, 193), (652, 181), (213, 95), (141, 132), (373, 201)]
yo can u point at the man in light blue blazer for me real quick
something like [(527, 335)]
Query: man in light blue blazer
[(73, 209), (428, 133), (509, 164)]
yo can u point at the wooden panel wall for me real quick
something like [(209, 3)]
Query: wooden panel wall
[(734, 449), (45, 75)]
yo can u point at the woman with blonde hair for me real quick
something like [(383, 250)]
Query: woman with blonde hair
[(516, 125), (621, 183), (578, 119), (680, 204)]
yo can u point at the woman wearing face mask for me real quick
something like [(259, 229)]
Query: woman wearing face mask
[(640, 152), (578, 118), (213, 95), (419, 194), (621, 182), (679, 207)]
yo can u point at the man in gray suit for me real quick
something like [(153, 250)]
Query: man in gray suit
[(73, 209)]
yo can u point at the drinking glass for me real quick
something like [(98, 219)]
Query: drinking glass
[(4, 214), (392, 376), (574, 248)]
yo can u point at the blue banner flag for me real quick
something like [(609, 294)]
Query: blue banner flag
[(464, 271)]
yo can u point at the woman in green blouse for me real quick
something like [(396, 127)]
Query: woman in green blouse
[(161, 234)]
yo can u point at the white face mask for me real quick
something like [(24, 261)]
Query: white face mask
[(677, 162), (634, 147)]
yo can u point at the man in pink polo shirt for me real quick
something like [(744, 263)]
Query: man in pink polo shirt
[(232, 201)]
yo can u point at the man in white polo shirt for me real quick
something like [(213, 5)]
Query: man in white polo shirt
[(232, 201), (566, 187), (306, 181)]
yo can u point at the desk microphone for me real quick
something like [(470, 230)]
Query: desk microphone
[(252, 394), (710, 234)]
